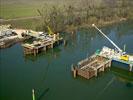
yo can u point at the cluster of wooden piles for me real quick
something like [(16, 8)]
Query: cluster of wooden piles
[(91, 66), (40, 45), (37, 47)]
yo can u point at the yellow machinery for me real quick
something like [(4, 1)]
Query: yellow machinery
[(124, 57), (50, 31)]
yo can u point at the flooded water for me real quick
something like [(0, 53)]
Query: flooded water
[(50, 73)]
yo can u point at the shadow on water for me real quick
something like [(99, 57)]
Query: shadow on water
[(46, 70), (129, 84), (55, 52), (122, 75), (43, 94)]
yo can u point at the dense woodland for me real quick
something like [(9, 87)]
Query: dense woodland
[(84, 12)]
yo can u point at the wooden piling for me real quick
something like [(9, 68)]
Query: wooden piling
[(130, 67), (34, 52), (95, 73), (41, 45), (74, 73)]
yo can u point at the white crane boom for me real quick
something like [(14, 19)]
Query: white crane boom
[(107, 38)]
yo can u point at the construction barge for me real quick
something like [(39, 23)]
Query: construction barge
[(91, 66), (116, 55)]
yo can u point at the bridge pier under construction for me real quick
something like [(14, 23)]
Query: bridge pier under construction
[(91, 66)]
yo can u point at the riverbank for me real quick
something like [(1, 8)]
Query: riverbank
[(100, 23), (34, 23)]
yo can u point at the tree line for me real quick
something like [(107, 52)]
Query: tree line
[(59, 17)]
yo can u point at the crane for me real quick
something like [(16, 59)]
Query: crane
[(108, 39)]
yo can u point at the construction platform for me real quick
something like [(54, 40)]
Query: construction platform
[(91, 66), (41, 45)]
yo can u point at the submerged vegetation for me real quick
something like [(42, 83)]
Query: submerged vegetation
[(67, 15)]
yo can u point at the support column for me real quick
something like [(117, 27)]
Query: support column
[(34, 52), (73, 69), (37, 50), (110, 63), (130, 67), (96, 73), (44, 48), (103, 68), (64, 42), (52, 45), (74, 73)]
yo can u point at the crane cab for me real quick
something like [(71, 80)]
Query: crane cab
[(124, 57)]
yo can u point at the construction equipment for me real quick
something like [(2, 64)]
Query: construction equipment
[(50, 31), (115, 54), (108, 39), (124, 57)]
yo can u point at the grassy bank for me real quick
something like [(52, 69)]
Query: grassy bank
[(16, 11), (10, 9)]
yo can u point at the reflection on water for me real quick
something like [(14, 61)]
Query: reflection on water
[(52, 53), (122, 75), (49, 72)]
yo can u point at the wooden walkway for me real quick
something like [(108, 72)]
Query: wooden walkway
[(91, 66)]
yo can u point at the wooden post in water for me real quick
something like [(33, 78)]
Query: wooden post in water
[(130, 67), (33, 94), (52, 45), (37, 50), (110, 63), (34, 50), (103, 68), (44, 48), (65, 43), (74, 71), (72, 67), (124, 47), (96, 73)]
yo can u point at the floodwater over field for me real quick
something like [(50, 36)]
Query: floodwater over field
[(50, 73)]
